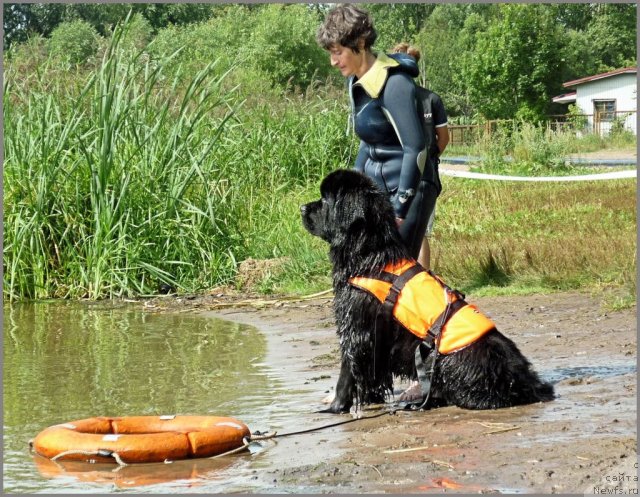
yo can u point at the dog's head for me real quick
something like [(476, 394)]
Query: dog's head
[(351, 211)]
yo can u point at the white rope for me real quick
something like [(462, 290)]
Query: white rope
[(115, 455), (246, 441), (585, 177), (73, 452)]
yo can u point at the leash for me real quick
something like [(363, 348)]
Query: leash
[(432, 343), (323, 427), (258, 435)]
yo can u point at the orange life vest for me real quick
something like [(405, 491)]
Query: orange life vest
[(422, 300)]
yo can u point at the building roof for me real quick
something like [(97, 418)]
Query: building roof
[(565, 98), (624, 70)]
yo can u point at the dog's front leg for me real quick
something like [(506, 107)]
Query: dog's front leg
[(345, 391)]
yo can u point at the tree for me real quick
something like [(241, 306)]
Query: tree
[(515, 65), (397, 22), (612, 35), (21, 20), (446, 35), (576, 16)]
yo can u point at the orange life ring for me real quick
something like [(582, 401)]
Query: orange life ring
[(138, 439)]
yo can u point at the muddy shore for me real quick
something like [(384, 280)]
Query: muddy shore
[(585, 441)]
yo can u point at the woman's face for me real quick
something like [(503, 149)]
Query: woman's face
[(345, 59)]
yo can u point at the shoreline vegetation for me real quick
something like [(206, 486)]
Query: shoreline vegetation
[(143, 168)]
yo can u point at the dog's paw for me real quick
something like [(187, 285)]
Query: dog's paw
[(330, 410), (338, 408), (411, 394), (329, 398)]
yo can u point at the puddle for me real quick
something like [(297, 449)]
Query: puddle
[(584, 372)]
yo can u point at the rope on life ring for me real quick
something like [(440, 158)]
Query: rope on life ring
[(246, 442), (101, 452)]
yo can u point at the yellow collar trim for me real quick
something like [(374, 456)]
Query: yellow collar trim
[(373, 80)]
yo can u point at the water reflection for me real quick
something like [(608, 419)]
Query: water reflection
[(65, 361), (123, 477)]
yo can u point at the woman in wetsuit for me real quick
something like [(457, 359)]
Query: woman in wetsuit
[(385, 118)]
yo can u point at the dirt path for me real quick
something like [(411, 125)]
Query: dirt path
[(607, 154), (583, 441)]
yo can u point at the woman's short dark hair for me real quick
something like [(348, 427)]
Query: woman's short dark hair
[(345, 25)]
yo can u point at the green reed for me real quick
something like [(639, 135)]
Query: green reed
[(111, 191), (128, 177)]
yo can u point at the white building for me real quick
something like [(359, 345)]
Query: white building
[(605, 99)]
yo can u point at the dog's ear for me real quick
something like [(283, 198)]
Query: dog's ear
[(356, 218), (359, 209), (349, 213)]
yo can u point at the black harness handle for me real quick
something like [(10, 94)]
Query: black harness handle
[(397, 285)]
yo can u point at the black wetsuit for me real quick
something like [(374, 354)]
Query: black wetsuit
[(392, 148)]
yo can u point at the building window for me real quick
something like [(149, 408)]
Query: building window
[(605, 110)]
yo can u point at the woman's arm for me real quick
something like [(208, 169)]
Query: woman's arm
[(399, 103), (361, 158)]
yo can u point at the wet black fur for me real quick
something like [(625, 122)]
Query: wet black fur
[(358, 222)]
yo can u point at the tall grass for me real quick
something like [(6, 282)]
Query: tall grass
[(102, 188), (503, 238), (545, 236)]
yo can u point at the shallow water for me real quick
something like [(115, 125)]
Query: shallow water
[(66, 361)]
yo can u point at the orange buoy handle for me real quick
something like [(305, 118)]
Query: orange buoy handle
[(138, 439)]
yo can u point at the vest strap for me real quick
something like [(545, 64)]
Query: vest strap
[(433, 334), (427, 350), (425, 360), (457, 293), (397, 286), (385, 276)]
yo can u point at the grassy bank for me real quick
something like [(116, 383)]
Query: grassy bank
[(128, 173), (501, 238)]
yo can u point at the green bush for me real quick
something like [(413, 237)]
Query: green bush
[(74, 42), (576, 117), (222, 38), (283, 46), (270, 52), (137, 35)]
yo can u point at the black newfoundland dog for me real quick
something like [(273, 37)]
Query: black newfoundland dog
[(358, 222)]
